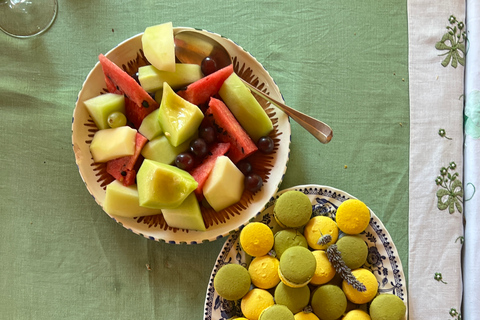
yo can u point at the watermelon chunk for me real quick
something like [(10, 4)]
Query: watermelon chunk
[(202, 171), (201, 90), (124, 169), (119, 81), (229, 130)]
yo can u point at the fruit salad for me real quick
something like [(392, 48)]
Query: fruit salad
[(177, 139)]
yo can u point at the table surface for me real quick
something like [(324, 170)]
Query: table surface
[(344, 62)]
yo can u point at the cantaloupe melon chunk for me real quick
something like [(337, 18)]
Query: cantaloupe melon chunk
[(122, 201), (159, 47)]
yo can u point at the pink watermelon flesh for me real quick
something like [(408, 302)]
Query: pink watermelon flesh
[(124, 169), (229, 130), (118, 81), (201, 90), (201, 172)]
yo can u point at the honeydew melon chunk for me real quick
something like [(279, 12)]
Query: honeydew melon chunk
[(162, 186), (179, 119), (186, 216), (245, 107), (159, 47), (224, 185), (160, 150), (151, 79), (113, 143), (101, 106), (122, 201), (150, 127)]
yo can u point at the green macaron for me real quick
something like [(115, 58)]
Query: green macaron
[(292, 209), (329, 302), (276, 312), (354, 251), (387, 307), (287, 238), (297, 266), (232, 281), (294, 299)]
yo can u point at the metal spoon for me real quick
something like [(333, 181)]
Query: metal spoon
[(193, 46)]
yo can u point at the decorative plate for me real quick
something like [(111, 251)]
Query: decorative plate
[(129, 56), (383, 259)]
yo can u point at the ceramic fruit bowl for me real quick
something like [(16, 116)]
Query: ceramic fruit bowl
[(129, 56)]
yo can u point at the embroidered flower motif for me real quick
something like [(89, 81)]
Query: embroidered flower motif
[(438, 277), (442, 133), (454, 314), (451, 194), (453, 42)]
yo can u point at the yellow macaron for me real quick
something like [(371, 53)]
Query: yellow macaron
[(254, 302), (324, 271), (356, 314), (256, 239), (302, 315), (264, 271), (368, 279), (317, 227), (353, 216)]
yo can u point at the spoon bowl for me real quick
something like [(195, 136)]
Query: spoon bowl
[(192, 46)]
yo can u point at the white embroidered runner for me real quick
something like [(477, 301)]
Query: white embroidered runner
[(436, 79), (471, 277)]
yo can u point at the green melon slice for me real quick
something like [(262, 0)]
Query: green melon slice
[(186, 216), (245, 108), (179, 119)]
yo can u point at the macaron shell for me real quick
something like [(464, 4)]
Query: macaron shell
[(324, 271), (294, 299), (368, 279), (232, 281), (387, 307), (292, 209), (277, 312), (352, 216), (256, 239), (287, 238), (254, 302), (329, 302), (264, 272), (302, 315), (316, 228), (297, 266), (354, 251), (356, 314)]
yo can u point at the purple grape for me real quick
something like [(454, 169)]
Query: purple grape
[(253, 182), (199, 148), (265, 144), (208, 134), (184, 161), (244, 166), (209, 66)]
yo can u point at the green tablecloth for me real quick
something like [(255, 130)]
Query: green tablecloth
[(62, 257)]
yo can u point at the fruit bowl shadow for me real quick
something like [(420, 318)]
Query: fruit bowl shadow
[(271, 167)]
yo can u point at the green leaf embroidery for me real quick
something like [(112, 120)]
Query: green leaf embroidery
[(453, 42)]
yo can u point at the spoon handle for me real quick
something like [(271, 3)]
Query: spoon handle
[(320, 130)]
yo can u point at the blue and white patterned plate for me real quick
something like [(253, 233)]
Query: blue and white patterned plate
[(383, 259)]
